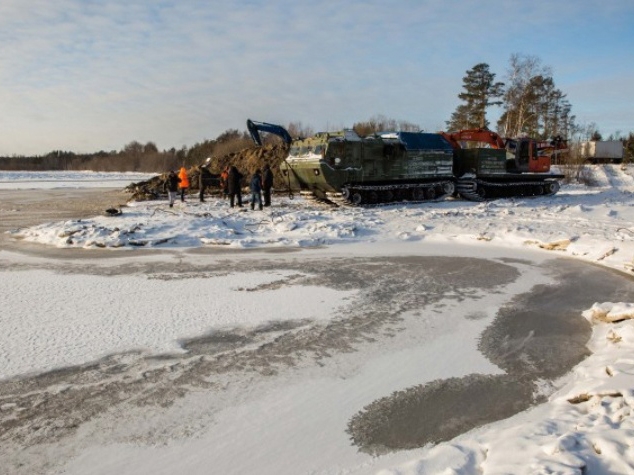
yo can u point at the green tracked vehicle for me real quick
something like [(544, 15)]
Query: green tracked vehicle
[(384, 168)]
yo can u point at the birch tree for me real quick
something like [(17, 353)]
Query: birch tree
[(519, 93), (533, 106)]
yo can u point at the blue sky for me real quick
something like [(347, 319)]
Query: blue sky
[(90, 75)]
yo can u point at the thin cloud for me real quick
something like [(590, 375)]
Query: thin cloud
[(90, 75)]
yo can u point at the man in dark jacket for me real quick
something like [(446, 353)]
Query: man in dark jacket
[(267, 184), (234, 186), (206, 179), (256, 190), (171, 186)]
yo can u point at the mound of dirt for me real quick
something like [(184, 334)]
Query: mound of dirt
[(246, 161)]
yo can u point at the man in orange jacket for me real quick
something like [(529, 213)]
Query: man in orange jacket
[(224, 182), (184, 183)]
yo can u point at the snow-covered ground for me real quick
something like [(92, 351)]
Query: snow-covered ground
[(587, 426), (594, 224)]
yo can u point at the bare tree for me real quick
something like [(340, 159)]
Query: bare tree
[(380, 123), (149, 148), (297, 129), (533, 105), (519, 93)]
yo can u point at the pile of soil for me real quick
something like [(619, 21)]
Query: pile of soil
[(247, 161)]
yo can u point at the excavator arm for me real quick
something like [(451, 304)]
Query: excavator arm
[(474, 135), (256, 127)]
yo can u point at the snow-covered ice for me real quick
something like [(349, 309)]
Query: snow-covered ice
[(27, 180), (587, 425)]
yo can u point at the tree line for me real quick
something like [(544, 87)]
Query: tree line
[(531, 106), (531, 103), (133, 157)]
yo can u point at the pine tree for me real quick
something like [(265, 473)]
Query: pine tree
[(480, 92)]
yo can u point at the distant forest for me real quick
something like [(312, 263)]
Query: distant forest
[(134, 157), (531, 105), (146, 158)]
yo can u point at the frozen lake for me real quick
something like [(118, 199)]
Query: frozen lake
[(29, 180), (405, 327)]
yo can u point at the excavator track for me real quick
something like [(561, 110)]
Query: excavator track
[(381, 195), (329, 200), (475, 189)]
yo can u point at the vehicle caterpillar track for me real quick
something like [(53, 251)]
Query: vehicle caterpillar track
[(327, 200), (475, 189), (368, 195)]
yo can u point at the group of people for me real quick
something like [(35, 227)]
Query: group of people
[(260, 185), (174, 183)]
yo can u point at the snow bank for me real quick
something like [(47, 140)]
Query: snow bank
[(592, 224), (611, 312)]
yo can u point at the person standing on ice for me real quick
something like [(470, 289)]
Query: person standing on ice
[(204, 180), (171, 186), (234, 186), (256, 190), (267, 184), (184, 182), (224, 182)]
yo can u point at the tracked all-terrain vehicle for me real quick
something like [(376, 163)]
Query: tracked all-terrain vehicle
[(399, 166), (410, 166)]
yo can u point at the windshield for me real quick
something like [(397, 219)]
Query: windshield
[(298, 151)]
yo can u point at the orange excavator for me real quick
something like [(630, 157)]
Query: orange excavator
[(527, 156), (557, 149), (489, 166)]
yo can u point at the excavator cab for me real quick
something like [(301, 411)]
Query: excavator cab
[(524, 154), (526, 157)]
